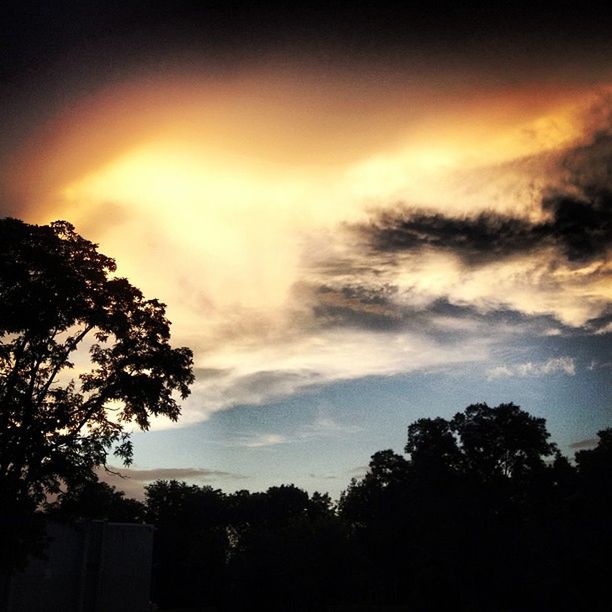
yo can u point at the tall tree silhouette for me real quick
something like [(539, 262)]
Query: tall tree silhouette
[(426, 529), (501, 441), (58, 296)]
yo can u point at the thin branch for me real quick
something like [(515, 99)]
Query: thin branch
[(107, 469), (60, 364), (99, 402), (11, 379), (38, 363)]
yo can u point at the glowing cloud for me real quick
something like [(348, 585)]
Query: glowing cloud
[(236, 203)]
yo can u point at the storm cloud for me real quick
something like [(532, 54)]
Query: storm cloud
[(579, 227), (572, 212)]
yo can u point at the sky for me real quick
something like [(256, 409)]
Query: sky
[(357, 217)]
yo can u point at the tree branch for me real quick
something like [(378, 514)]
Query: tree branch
[(60, 364)]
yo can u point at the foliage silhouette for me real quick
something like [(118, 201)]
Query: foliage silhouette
[(432, 445), (58, 298), (483, 513), (191, 542), (94, 499), (468, 520), (278, 549), (501, 442)]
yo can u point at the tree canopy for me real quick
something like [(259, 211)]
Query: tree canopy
[(483, 513), (61, 416), (97, 500)]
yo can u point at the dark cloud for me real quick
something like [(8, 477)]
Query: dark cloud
[(382, 309), (360, 289), (576, 205), (132, 481), (585, 444), (580, 227), (475, 239), (358, 306)]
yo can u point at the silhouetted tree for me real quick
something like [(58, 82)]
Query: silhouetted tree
[(589, 526), (595, 465), (501, 441), (320, 506), (191, 542), (98, 500), (432, 445), (376, 492), (484, 513), (288, 550), (58, 296), (464, 505)]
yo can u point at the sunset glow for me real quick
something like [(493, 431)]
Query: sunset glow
[(316, 221)]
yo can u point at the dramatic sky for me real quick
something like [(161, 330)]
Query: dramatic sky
[(356, 218)]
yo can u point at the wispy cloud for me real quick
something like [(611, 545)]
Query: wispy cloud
[(606, 329), (323, 426), (316, 358), (599, 365), (149, 475), (554, 365), (258, 440), (327, 426)]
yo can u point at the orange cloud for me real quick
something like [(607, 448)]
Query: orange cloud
[(290, 117), (224, 196)]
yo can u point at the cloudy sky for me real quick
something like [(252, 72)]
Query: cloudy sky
[(356, 218)]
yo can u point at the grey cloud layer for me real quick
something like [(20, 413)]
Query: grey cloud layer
[(571, 228), (580, 227), (380, 309), (132, 481)]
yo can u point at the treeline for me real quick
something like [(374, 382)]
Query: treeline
[(481, 513)]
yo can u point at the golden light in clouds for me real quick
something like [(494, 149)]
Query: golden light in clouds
[(218, 197), (227, 226), (295, 117)]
